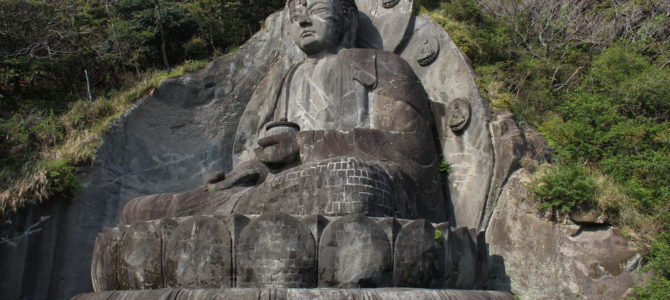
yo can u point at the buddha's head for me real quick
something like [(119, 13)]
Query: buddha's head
[(318, 26)]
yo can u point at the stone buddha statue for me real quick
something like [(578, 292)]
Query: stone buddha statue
[(344, 131), (335, 184)]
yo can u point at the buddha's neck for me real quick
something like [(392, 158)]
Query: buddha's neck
[(324, 53)]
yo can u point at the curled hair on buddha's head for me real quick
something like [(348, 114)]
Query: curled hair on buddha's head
[(348, 13)]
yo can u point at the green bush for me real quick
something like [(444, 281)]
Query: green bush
[(196, 48), (658, 287), (564, 188), (60, 174), (437, 235)]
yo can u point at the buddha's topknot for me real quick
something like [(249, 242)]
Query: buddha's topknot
[(347, 5)]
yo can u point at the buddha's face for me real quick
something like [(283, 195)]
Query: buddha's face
[(316, 25)]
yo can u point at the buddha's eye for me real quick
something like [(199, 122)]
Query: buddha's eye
[(320, 10)]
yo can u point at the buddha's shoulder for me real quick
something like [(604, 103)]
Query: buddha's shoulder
[(366, 54), (373, 58)]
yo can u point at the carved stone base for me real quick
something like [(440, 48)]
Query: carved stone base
[(297, 294), (283, 251)]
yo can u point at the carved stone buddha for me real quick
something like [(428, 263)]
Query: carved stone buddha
[(335, 185), (345, 131)]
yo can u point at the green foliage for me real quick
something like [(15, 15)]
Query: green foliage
[(45, 46), (60, 174), (478, 35), (196, 47), (43, 149), (564, 188), (24, 136), (594, 77), (617, 119), (445, 167), (658, 287), (437, 235)]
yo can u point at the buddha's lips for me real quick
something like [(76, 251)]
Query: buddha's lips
[(307, 33)]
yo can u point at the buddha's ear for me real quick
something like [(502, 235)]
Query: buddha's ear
[(350, 22)]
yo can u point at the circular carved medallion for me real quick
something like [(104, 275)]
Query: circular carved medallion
[(428, 51), (459, 114), (390, 3)]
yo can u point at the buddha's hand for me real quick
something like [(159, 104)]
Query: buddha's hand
[(277, 151), (248, 173)]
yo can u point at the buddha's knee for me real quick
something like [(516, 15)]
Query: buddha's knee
[(336, 186)]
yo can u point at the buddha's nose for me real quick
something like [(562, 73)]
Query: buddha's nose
[(304, 21)]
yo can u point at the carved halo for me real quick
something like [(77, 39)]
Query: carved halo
[(459, 114), (389, 3), (428, 51)]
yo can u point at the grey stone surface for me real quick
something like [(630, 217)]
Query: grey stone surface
[(298, 294), (464, 258), (235, 224), (276, 250), (419, 259), (140, 253), (355, 252), (391, 227), (469, 151), (539, 259), (316, 224), (198, 254), (335, 187), (106, 259), (482, 267), (169, 142), (593, 216), (381, 27), (510, 147)]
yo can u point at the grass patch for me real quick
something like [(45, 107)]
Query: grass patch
[(45, 149), (564, 188)]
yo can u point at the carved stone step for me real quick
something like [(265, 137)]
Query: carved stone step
[(298, 294)]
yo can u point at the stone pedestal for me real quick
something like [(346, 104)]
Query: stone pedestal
[(282, 251), (297, 294)]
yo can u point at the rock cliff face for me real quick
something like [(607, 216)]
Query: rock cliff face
[(170, 141), (540, 259), (185, 131)]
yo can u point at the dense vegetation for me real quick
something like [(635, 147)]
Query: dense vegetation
[(47, 126), (592, 76)]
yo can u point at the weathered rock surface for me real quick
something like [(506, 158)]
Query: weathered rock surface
[(419, 260), (140, 255), (198, 254), (355, 252), (279, 251), (463, 251), (106, 259), (169, 142), (276, 250), (447, 79), (539, 259), (298, 294)]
